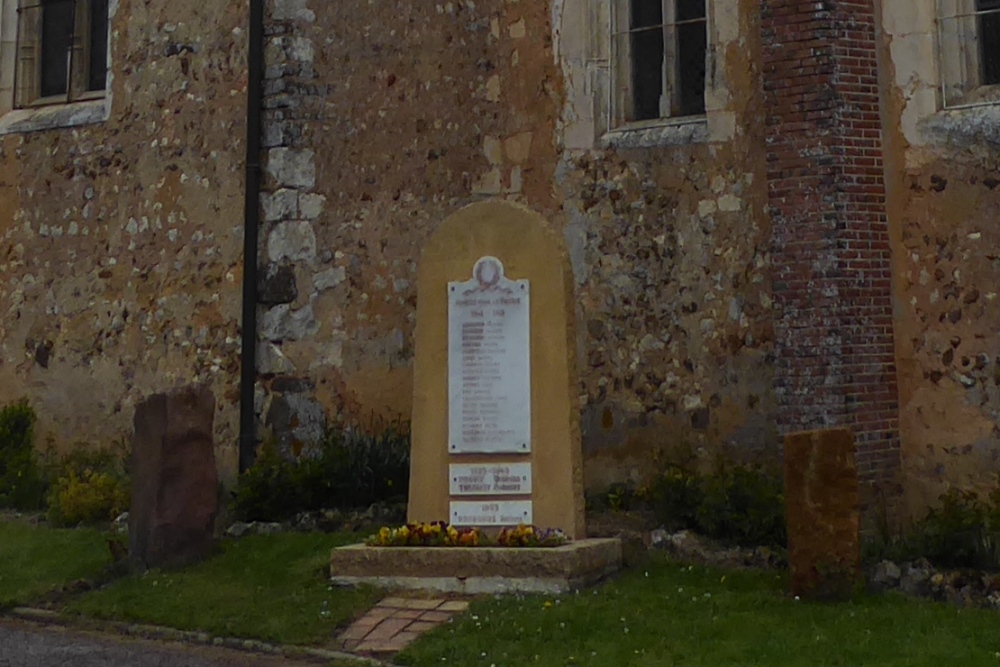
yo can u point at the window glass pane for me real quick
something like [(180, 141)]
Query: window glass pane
[(692, 44), (647, 73), (989, 41), (98, 46), (646, 13), (690, 9), (57, 38)]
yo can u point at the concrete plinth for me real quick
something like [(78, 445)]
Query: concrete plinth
[(474, 570)]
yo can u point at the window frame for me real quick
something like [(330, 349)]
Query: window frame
[(53, 116), (960, 55), (29, 57), (621, 75)]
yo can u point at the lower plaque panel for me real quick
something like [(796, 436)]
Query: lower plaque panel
[(491, 513)]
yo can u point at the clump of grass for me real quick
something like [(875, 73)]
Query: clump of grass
[(669, 614), (36, 559), (273, 588)]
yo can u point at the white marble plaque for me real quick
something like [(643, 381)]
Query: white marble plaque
[(490, 479), (489, 371), (490, 513)]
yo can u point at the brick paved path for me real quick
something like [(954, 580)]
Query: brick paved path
[(395, 622)]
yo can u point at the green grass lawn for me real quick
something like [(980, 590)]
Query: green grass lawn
[(35, 560), (272, 588), (667, 614)]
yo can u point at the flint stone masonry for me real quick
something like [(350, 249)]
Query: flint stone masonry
[(174, 479), (477, 570), (823, 513)]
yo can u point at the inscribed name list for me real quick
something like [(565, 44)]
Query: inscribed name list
[(494, 479), (491, 513), (489, 371)]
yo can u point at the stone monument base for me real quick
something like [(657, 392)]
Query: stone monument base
[(475, 570)]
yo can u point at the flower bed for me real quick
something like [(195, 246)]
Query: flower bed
[(442, 534)]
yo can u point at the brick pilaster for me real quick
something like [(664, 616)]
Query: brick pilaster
[(831, 259)]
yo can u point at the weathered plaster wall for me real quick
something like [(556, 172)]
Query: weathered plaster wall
[(943, 173), (121, 249), (384, 118)]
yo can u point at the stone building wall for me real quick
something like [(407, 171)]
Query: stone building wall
[(943, 171), (121, 254), (384, 118)]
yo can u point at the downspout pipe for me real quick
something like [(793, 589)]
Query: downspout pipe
[(251, 231)]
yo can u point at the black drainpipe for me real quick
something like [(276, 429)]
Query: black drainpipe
[(251, 229)]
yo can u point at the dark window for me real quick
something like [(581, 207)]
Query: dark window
[(646, 28), (668, 42), (97, 71), (62, 50), (989, 40), (57, 44), (692, 45)]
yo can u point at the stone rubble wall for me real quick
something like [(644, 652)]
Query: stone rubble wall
[(943, 173), (121, 253), (384, 118)]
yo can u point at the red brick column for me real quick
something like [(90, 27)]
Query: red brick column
[(831, 261)]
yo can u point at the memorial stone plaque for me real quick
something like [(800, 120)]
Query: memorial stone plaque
[(490, 479), (489, 371), (491, 512), (495, 421)]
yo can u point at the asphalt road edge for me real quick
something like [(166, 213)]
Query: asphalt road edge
[(162, 633)]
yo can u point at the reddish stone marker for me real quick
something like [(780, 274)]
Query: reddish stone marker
[(174, 479), (823, 511)]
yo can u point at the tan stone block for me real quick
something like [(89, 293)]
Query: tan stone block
[(421, 604), (356, 632), (387, 629), (518, 147), (411, 614), (823, 513), (374, 617), (398, 643), (397, 603), (421, 627), (454, 606), (435, 616)]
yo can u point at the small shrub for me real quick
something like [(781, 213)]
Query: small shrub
[(90, 486), (744, 505), (350, 469), (22, 485), (619, 497), (675, 495), (741, 504), (963, 532)]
